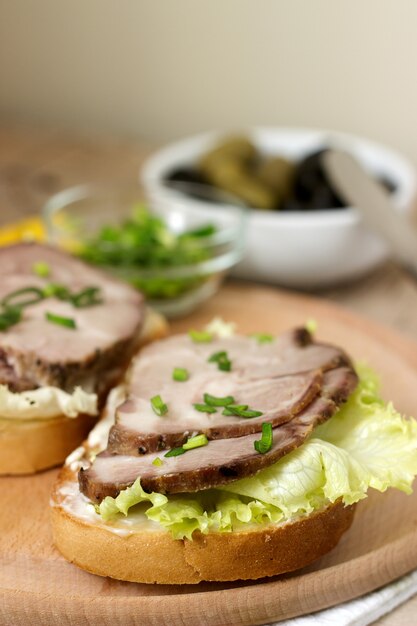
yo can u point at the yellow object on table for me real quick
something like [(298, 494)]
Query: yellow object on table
[(31, 229)]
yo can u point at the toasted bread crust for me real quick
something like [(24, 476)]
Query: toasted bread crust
[(29, 446), (152, 556)]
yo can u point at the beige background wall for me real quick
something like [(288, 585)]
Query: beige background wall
[(164, 68)]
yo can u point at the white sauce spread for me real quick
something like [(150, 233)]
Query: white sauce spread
[(75, 503), (220, 328), (97, 439), (45, 403), (99, 435)]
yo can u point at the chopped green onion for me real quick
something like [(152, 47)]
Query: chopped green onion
[(192, 442), (222, 360), (180, 374), (14, 302), (58, 291), (159, 406), (241, 410), (215, 401), (195, 442), (144, 241), (311, 326), (87, 297), (234, 409), (14, 299), (263, 337), (200, 336), (42, 269), (68, 322), (157, 462), (9, 317), (202, 231), (204, 408), (250, 413), (175, 452), (216, 356), (264, 444)]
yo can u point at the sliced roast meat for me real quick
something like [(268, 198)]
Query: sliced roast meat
[(278, 399), (278, 378), (292, 352), (36, 352), (339, 383), (9, 377), (220, 461)]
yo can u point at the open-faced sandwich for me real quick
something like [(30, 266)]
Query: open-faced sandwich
[(231, 457), (67, 335)]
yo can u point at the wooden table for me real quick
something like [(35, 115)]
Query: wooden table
[(35, 163)]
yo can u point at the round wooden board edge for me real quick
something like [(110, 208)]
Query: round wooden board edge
[(254, 603)]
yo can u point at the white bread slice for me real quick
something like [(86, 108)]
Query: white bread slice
[(147, 554), (29, 446)]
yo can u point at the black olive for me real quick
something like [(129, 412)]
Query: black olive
[(185, 175), (312, 188)]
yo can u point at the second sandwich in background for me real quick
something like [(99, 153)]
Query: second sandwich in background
[(67, 334)]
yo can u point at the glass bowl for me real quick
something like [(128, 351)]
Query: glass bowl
[(176, 254)]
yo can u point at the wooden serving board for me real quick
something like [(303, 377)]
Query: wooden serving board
[(38, 587)]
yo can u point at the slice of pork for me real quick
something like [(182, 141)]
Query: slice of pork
[(278, 399), (292, 352), (36, 352), (216, 464), (278, 379), (219, 462)]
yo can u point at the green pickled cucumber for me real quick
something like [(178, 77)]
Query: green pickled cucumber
[(278, 174)]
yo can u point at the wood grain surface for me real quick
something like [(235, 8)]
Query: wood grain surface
[(37, 162), (38, 587)]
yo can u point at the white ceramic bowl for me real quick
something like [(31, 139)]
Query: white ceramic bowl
[(300, 249)]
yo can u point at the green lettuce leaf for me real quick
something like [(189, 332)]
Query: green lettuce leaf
[(111, 507), (367, 444)]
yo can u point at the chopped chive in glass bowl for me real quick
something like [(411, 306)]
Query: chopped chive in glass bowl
[(176, 254)]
